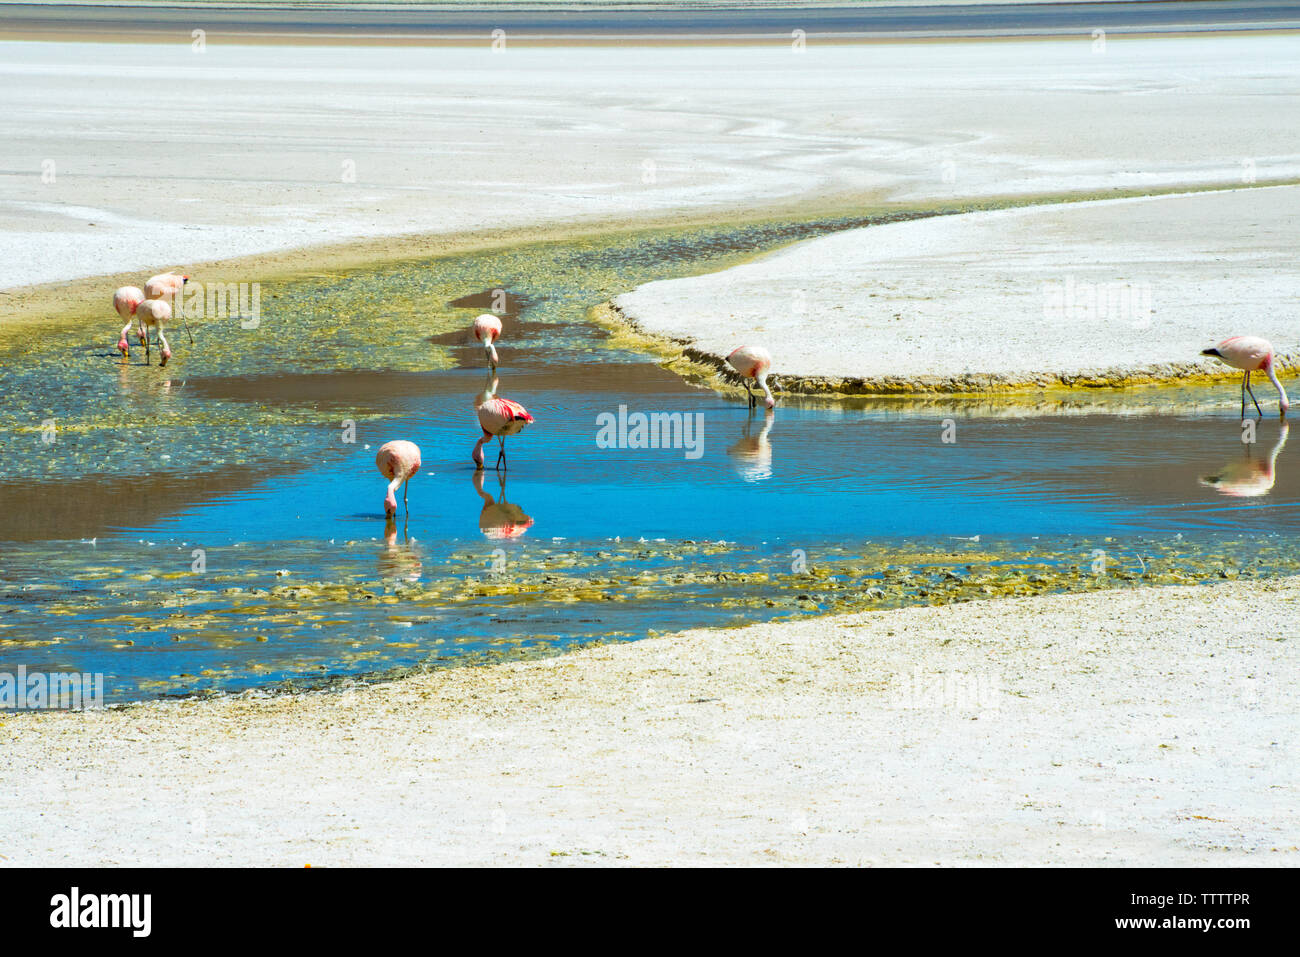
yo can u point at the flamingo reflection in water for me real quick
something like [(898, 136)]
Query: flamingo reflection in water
[(1249, 477), (752, 454), (499, 519), (399, 560)]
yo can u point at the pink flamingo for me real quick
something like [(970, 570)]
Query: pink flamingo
[(397, 461), (1250, 354), (125, 301), (167, 287), (154, 313), (752, 362), (487, 329), (164, 285), (499, 418)]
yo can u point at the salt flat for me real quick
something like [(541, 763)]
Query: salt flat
[(121, 157), (1103, 292), (1150, 726)]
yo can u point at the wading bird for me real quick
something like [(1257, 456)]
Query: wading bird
[(165, 284), (1250, 354), (487, 330), (154, 313), (752, 362), (499, 418), (125, 301), (397, 461)]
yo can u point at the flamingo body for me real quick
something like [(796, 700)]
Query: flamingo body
[(155, 313), (164, 284), (125, 301), (487, 330), (500, 418), (1250, 354), (397, 461), (753, 362)]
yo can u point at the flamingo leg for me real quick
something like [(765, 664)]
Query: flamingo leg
[(1252, 399), (749, 392), (405, 505), (501, 456), (146, 345)]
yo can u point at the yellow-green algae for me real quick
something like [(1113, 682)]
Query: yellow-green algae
[(240, 637)]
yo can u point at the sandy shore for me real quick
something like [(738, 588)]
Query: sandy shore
[(1138, 727), (266, 148), (1097, 293)]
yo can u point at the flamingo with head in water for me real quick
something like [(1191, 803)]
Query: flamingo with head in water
[(487, 330), (397, 461), (753, 362), (500, 418), (1250, 354), (154, 314), (125, 301)]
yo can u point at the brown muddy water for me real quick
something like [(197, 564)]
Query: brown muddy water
[(217, 525)]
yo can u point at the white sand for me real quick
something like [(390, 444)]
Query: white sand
[(962, 301), (177, 157), (1137, 727)]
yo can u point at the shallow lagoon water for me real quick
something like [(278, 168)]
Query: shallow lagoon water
[(209, 527)]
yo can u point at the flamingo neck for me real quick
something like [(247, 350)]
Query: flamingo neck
[(767, 393), (478, 450), (1281, 392), (390, 502)]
